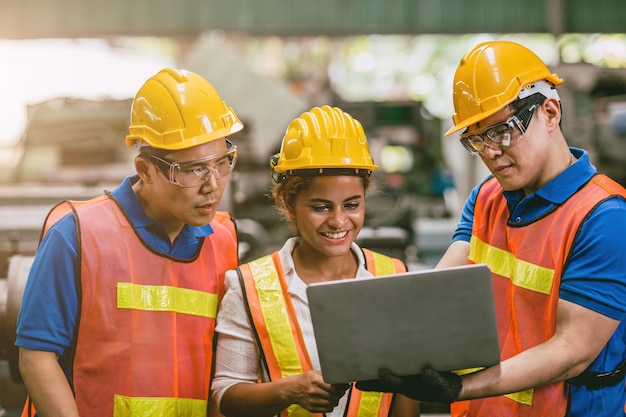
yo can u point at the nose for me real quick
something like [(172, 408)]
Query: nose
[(491, 151), (210, 182), (336, 219)]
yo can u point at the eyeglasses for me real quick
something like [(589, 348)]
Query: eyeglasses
[(192, 173), (499, 136)]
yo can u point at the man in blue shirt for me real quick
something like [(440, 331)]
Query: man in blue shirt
[(552, 230), (119, 308)]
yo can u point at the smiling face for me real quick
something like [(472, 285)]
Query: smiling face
[(174, 206), (329, 215)]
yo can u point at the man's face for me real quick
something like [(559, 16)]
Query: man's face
[(520, 165), (194, 205)]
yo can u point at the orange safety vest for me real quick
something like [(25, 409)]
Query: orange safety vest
[(144, 345), (527, 263), (280, 338)]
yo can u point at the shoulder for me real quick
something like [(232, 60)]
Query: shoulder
[(224, 219), (463, 230), (488, 186), (610, 212), (594, 276), (380, 264), (598, 249), (604, 227), (63, 230)]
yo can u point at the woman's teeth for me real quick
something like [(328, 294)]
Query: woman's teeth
[(339, 235)]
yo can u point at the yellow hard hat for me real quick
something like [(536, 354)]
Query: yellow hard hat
[(323, 141), (177, 109), (492, 75)]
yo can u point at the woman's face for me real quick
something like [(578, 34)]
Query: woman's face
[(329, 214)]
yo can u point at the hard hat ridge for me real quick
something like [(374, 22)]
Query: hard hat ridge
[(178, 109), (325, 140)]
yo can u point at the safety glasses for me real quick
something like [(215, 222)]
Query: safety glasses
[(192, 173), (499, 136)]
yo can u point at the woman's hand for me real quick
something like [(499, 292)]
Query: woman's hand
[(310, 392)]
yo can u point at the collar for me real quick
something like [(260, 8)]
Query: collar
[(297, 287), (568, 182), (129, 201)]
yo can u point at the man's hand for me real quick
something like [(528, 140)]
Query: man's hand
[(429, 386)]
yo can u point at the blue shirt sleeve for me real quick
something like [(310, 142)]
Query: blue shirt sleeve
[(463, 230), (49, 307), (596, 273), (595, 278)]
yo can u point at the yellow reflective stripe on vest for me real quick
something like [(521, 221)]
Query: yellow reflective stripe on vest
[(369, 404), (270, 293), (522, 397), (124, 406), (521, 273), (468, 370), (295, 410), (166, 298), (383, 264), (276, 319)]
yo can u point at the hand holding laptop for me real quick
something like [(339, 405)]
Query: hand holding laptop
[(429, 386)]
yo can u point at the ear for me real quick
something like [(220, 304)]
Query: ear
[(552, 110), (143, 169)]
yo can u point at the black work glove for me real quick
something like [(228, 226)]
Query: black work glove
[(429, 386)]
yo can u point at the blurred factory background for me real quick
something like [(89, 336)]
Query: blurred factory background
[(69, 69)]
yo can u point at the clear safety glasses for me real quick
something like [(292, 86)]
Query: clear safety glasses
[(193, 173), (499, 136)]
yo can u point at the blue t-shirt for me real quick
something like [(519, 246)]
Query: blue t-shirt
[(47, 317), (595, 277)]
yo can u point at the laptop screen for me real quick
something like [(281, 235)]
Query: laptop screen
[(442, 318)]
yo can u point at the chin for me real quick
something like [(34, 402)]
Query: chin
[(201, 222), (339, 250), (508, 185)]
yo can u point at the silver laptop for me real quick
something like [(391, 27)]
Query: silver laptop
[(442, 318)]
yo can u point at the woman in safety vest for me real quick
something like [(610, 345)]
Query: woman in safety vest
[(322, 174)]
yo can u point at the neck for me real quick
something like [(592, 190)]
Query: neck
[(553, 166), (572, 159), (313, 266), (172, 229)]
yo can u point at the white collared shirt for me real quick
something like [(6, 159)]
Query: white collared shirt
[(238, 354)]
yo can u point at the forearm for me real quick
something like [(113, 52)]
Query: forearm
[(527, 370), (457, 254), (308, 390), (580, 336), (255, 400), (405, 407), (46, 384)]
